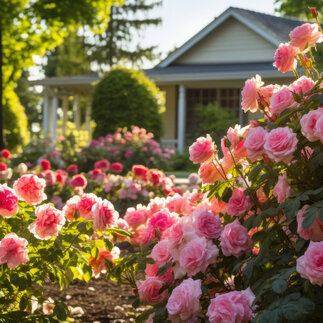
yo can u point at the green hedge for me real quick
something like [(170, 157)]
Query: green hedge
[(125, 97)]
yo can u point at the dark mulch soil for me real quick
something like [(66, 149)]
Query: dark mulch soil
[(101, 300)]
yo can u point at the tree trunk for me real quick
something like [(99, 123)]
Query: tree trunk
[(1, 94)]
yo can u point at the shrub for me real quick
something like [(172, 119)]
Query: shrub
[(125, 97)]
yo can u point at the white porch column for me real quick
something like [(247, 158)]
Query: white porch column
[(45, 113), (65, 111), (54, 116), (181, 118), (77, 111), (88, 117)]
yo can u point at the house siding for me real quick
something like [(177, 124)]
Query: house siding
[(169, 116), (232, 42)]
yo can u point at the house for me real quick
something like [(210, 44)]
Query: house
[(211, 66), (214, 64)]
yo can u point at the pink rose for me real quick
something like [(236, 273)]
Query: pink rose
[(254, 143), (99, 264), (148, 291), (218, 206), (207, 224), (161, 253), (49, 222), (308, 124), (104, 214), (13, 250), (231, 307), (318, 130), (135, 217), (71, 207), (250, 94), (235, 240), (210, 173), (201, 150), (310, 265), (305, 35), (266, 93), (179, 204), (8, 201), (174, 235), (79, 181), (314, 232), (152, 269), (282, 189), (73, 168), (102, 164), (238, 203), (185, 299), (285, 58), (197, 255), (281, 100), (85, 205), (303, 84), (162, 220), (116, 168), (30, 188), (280, 144)]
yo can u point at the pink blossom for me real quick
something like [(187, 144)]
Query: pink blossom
[(282, 189), (50, 177), (116, 167), (102, 164), (99, 264), (308, 124), (5, 153), (218, 206), (305, 35), (73, 168), (162, 220), (30, 188), (197, 255), (155, 176), (254, 143), (303, 84), (266, 93), (179, 204), (136, 217), (285, 58), (45, 164), (104, 214), (8, 201), (185, 299), (85, 205), (79, 181), (314, 232), (148, 291), (281, 100), (318, 130), (13, 250), (231, 307), (207, 224), (238, 203), (310, 265), (152, 269), (250, 94), (161, 253), (201, 150), (49, 222), (280, 144), (235, 240), (140, 171), (71, 207)]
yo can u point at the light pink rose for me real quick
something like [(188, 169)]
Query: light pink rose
[(174, 235), (250, 94), (303, 84), (185, 300), (314, 232), (308, 124), (148, 291), (280, 144), (235, 240), (30, 188), (282, 100), (85, 205), (161, 253), (285, 58), (49, 222), (201, 150), (210, 173), (318, 130), (71, 207), (152, 270), (162, 220), (136, 217), (8, 201), (178, 204), (282, 189), (218, 206), (310, 265), (238, 203), (104, 214), (13, 250), (306, 34), (207, 224), (266, 93), (254, 143), (197, 255), (231, 307)]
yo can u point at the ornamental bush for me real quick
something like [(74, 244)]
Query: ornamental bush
[(126, 97)]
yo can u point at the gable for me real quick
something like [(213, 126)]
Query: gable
[(231, 42)]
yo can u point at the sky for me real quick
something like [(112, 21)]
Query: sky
[(182, 19)]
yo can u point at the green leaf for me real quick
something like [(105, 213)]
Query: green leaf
[(309, 217), (290, 207), (258, 236), (279, 286), (136, 303), (60, 310), (162, 270)]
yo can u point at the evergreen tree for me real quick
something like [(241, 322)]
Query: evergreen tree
[(113, 46)]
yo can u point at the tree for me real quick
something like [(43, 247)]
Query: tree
[(30, 27), (112, 46)]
